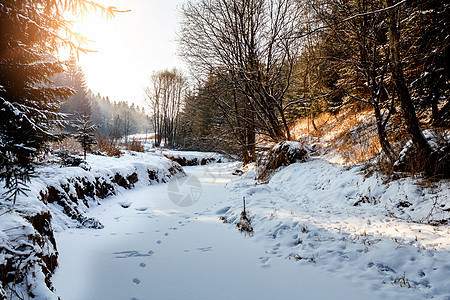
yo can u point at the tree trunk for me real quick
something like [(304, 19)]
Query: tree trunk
[(409, 113), (382, 135), (251, 138)]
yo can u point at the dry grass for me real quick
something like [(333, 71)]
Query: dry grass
[(352, 135), (304, 126), (109, 146), (245, 224), (70, 144), (402, 282), (134, 145)]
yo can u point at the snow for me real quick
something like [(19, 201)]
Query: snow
[(157, 250), (309, 240), (320, 231), (24, 246), (307, 211)]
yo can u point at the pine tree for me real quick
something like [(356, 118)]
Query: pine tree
[(85, 133), (79, 103), (31, 32)]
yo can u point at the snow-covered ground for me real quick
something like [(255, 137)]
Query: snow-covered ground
[(321, 231), (157, 250), (357, 227), (309, 241)]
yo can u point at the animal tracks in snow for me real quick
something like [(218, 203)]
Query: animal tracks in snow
[(204, 249), (264, 261), (132, 253)]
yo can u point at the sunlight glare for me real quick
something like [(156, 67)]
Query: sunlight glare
[(128, 47)]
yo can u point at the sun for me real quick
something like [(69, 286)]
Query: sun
[(108, 43)]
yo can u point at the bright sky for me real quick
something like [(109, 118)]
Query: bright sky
[(130, 46)]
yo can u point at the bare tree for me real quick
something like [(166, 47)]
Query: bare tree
[(246, 42), (165, 98)]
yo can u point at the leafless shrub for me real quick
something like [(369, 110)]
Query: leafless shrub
[(245, 222), (110, 146), (134, 145)]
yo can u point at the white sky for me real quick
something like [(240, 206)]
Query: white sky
[(130, 47)]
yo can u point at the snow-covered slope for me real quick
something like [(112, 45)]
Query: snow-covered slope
[(339, 220), (58, 199)]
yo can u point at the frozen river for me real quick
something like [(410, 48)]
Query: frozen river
[(152, 248)]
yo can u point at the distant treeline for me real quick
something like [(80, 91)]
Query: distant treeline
[(113, 119)]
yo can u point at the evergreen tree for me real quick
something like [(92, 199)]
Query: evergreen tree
[(31, 31), (79, 103), (85, 133)]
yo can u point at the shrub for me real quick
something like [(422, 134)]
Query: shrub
[(110, 146), (134, 145)]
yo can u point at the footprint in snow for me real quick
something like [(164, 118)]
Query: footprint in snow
[(158, 242), (264, 261), (142, 265), (131, 253), (141, 208), (223, 210), (205, 249), (125, 204), (166, 234), (136, 281)]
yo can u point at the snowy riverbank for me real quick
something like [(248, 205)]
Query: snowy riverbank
[(59, 198), (157, 250), (376, 234)]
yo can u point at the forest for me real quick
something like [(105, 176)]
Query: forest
[(261, 66)]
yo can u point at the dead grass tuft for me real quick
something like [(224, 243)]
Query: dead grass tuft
[(70, 144), (134, 145), (109, 146), (245, 222), (402, 282)]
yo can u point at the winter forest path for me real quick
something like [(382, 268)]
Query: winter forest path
[(154, 249)]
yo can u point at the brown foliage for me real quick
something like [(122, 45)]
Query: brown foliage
[(109, 146), (134, 145)]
